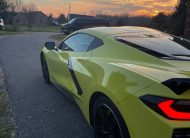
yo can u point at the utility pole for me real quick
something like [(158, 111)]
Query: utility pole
[(68, 16)]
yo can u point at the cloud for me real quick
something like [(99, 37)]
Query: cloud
[(131, 7)]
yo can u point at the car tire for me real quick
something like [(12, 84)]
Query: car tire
[(107, 121), (45, 70)]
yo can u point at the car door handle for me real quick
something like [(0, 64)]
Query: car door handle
[(70, 64), (66, 48)]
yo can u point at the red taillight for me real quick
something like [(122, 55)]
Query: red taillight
[(166, 108), (169, 108)]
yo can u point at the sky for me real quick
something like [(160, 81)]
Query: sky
[(110, 7)]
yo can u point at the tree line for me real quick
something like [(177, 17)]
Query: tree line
[(173, 23)]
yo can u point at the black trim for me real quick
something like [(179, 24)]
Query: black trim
[(181, 133), (182, 106), (152, 52), (143, 49), (178, 85), (79, 90), (152, 102)]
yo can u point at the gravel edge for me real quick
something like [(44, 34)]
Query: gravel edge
[(9, 126)]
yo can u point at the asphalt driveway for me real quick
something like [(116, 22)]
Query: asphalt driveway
[(40, 110)]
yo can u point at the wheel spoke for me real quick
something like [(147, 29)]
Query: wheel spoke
[(102, 130), (106, 125), (102, 115)]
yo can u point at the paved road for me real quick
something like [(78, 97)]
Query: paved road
[(40, 110)]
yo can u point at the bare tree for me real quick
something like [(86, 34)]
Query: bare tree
[(12, 7), (19, 5), (27, 8), (15, 5)]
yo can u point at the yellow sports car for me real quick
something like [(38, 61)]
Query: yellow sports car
[(129, 82)]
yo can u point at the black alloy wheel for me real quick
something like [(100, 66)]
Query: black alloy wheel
[(107, 122)]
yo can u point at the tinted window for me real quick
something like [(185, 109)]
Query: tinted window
[(95, 44), (79, 42), (160, 44)]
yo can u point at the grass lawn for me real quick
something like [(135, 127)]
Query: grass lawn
[(19, 29), (6, 124), (33, 28), (36, 28), (8, 33)]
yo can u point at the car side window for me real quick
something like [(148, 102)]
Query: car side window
[(79, 42), (95, 44)]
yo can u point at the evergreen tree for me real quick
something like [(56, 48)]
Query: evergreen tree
[(50, 19), (61, 19), (3, 6), (179, 17), (161, 21)]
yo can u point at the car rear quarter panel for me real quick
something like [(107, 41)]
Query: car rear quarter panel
[(146, 123), (98, 75)]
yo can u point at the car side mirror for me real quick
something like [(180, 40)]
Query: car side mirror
[(50, 45)]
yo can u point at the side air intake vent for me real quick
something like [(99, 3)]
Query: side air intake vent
[(178, 85)]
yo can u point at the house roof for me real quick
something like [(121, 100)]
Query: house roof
[(34, 13)]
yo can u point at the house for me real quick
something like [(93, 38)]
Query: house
[(37, 18), (71, 16), (20, 18)]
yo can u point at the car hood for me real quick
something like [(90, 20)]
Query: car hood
[(175, 69)]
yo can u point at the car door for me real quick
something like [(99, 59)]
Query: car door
[(74, 47)]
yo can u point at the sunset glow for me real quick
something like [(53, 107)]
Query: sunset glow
[(111, 7)]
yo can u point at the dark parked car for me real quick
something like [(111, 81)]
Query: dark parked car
[(81, 23)]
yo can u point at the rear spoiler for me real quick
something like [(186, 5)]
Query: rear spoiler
[(178, 85)]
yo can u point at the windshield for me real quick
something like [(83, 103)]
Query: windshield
[(158, 44)]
